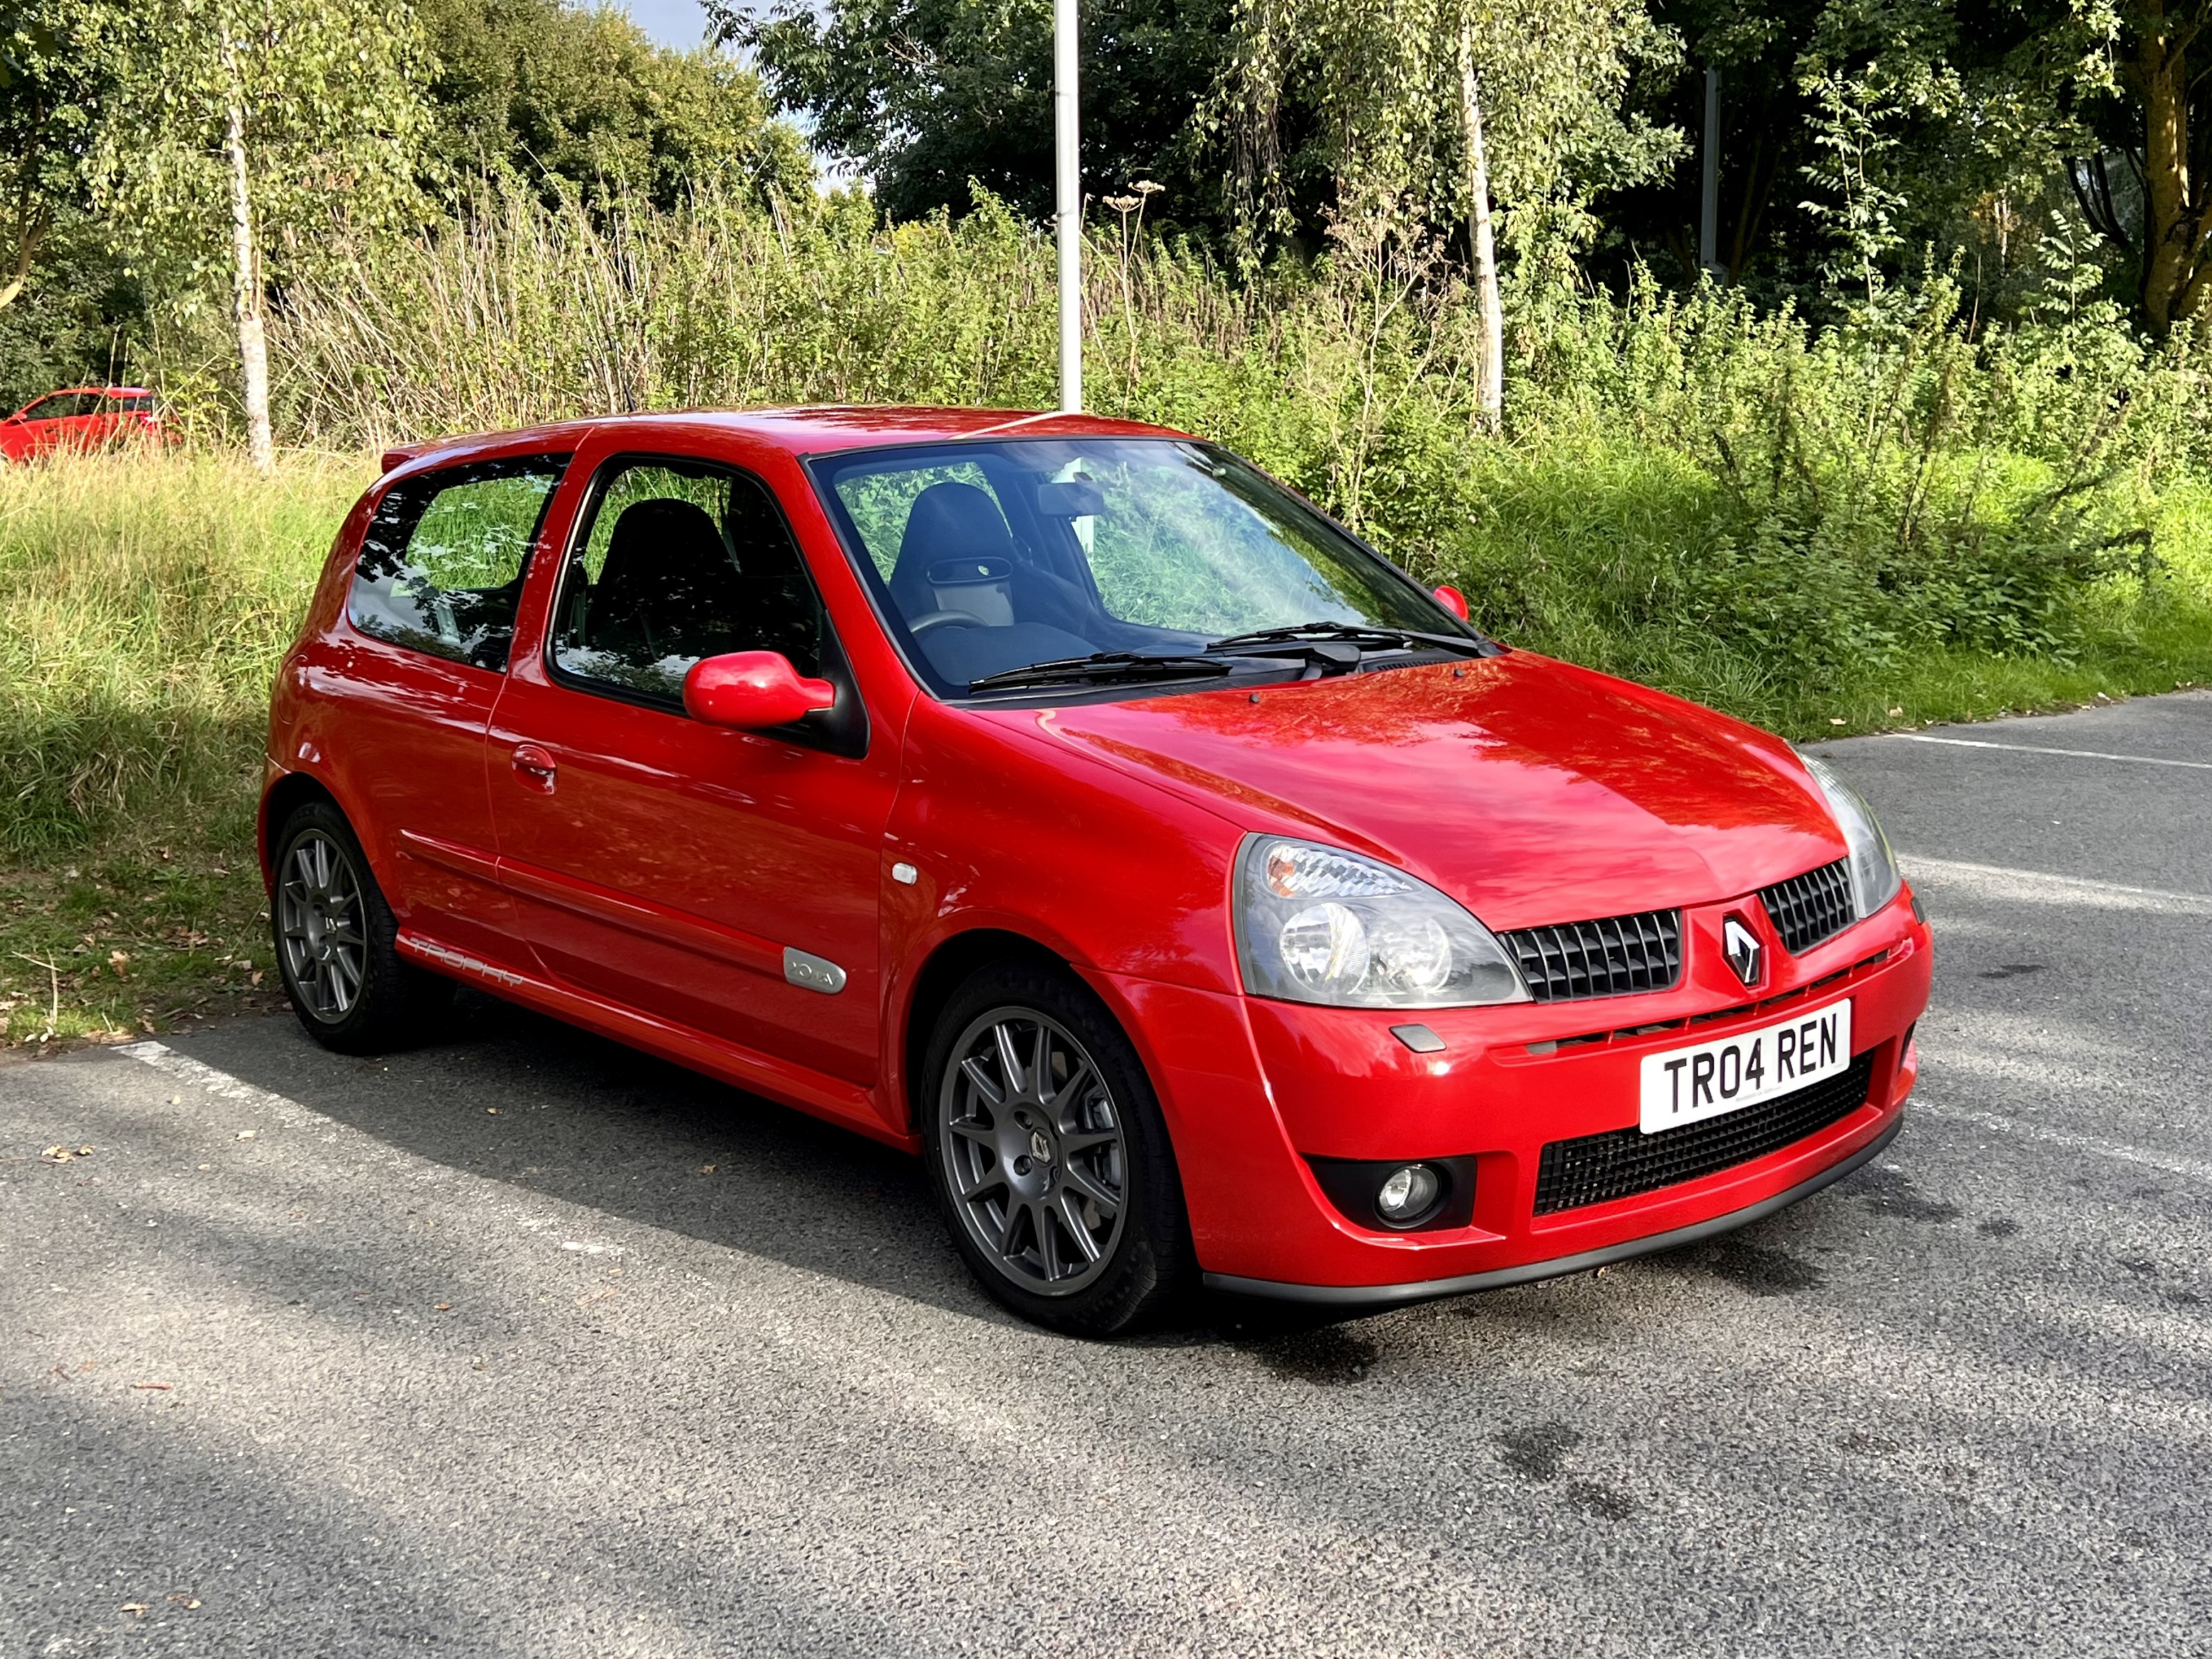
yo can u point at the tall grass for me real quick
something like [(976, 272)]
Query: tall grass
[(144, 599)]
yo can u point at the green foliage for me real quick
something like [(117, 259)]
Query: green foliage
[(325, 91), (1737, 504), (1366, 96), (552, 91), (926, 95), (57, 74)]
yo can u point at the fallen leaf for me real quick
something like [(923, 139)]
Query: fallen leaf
[(445, 1306), (119, 961), (163, 1387), (706, 1169), (492, 1110), (1835, 719), (257, 976), (184, 1596), (134, 1606)]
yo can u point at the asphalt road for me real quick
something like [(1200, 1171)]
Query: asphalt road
[(525, 1345)]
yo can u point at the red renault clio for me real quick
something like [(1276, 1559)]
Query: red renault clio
[(1065, 800)]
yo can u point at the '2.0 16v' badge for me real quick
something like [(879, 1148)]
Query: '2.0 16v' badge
[(1743, 950)]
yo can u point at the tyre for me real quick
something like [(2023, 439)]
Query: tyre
[(335, 942), (1046, 1144)]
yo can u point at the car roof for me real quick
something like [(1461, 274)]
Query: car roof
[(102, 391), (802, 431)]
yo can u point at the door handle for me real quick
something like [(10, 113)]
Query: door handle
[(534, 766)]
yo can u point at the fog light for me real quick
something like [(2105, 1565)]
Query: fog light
[(1407, 1194)]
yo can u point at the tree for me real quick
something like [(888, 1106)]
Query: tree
[(2165, 59), (55, 71), (583, 99), (1451, 107), (239, 126), (925, 95)]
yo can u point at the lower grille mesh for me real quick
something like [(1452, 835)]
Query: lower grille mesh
[(1606, 958), (1621, 1163)]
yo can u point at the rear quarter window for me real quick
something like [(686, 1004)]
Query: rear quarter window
[(442, 561)]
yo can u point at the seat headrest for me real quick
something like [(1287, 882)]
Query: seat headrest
[(947, 520), (668, 570)]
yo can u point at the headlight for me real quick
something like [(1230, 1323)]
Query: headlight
[(1874, 880), (1315, 923)]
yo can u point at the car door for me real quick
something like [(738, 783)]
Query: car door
[(405, 685), (720, 879)]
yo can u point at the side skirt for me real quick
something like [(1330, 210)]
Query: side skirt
[(797, 1086)]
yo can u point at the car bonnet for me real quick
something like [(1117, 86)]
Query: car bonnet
[(1530, 790)]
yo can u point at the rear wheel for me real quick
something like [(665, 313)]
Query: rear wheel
[(336, 942), (1049, 1153)]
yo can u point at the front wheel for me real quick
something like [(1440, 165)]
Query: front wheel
[(1049, 1152), (336, 942)]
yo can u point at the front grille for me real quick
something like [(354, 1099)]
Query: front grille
[(1808, 909), (1621, 1163), (1606, 958)]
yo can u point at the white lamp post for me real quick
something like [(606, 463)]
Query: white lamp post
[(1067, 171)]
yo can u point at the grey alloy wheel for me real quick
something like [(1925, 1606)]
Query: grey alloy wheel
[(1032, 1143), (321, 926)]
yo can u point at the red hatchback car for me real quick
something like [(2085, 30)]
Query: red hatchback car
[(80, 418), (1065, 800)]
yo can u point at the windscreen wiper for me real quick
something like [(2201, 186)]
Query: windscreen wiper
[(1104, 668), (1366, 636)]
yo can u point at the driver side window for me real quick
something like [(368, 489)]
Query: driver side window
[(678, 560)]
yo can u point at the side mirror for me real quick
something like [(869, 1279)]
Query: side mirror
[(752, 691), (1453, 600)]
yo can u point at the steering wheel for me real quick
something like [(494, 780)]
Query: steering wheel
[(930, 621)]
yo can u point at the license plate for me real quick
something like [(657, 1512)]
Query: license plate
[(1683, 1085)]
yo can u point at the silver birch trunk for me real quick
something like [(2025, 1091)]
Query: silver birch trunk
[(1489, 376), (246, 280)]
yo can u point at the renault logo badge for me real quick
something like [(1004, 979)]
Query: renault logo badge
[(1743, 950)]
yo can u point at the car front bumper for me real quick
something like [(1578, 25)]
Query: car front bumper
[(1254, 1090)]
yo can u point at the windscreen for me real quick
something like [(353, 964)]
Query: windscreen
[(993, 557)]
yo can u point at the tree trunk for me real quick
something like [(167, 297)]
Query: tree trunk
[(246, 280), (1490, 380), (2175, 221)]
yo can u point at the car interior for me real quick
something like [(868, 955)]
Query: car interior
[(677, 587)]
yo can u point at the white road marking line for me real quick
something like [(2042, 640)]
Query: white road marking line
[(163, 1058), (2173, 1163), (2037, 749), (2039, 887)]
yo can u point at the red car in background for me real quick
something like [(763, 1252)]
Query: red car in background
[(81, 417), (1065, 800)]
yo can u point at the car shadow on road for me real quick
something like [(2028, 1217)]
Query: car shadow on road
[(544, 1108), (510, 1097)]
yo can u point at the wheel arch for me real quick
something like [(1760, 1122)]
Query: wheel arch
[(949, 966), (286, 795)]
